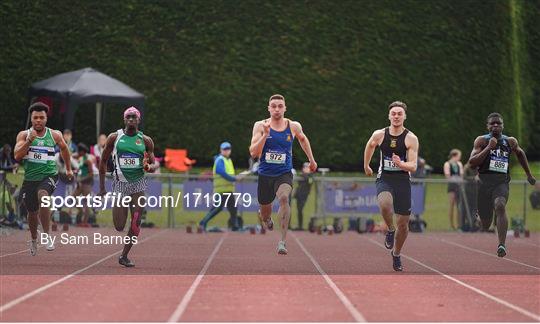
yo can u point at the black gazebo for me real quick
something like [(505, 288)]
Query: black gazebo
[(85, 86)]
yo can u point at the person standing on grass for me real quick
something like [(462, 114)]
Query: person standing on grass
[(453, 171)]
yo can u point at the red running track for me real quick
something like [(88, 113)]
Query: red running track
[(240, 277)]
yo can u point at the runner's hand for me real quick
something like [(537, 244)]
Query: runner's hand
[(69, 174), (266, 127), (531, 180), (368, 171), (312, 166), (32, 134), (492, 143), (396, 159)]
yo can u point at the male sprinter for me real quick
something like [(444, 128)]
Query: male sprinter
[(35, 146), (133, 153), (272, 142), (491, 155), (399, 153)]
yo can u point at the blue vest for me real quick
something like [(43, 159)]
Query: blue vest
[(276, 157)]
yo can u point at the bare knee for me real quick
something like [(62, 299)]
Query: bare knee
[(403, 226), (500, 205), (42, 193), (386, 209), (119, 228), (284, 200)]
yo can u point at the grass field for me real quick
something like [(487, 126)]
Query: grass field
[(436, 207)]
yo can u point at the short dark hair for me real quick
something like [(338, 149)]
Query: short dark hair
[(494, 115), (398, 104), (38, 106), (276, 96), (82, 147)]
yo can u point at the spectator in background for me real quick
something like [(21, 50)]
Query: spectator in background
[(68, 138), (423, 170), (254, 165), (7, 161), (469, 203), (224, 178), (69, 184), (85, 177), (302, 193), (98, 148), (453, 171), (535, 196)]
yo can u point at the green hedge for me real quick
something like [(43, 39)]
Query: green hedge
[(208, 67)]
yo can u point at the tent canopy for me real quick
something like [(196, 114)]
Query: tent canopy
[(85, 86)]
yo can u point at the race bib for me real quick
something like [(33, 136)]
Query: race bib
[(129, 162), (389, 165), (38, 155), (498, 164), (275, 158)]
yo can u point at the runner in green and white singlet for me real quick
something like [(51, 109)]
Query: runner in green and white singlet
[(132, 154), (85, 178), (35, 147)]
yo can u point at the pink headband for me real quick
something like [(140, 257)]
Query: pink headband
[(132, 110)]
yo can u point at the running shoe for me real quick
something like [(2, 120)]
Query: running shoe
[(389, 240), (501, 251), (268, 222), (50, 244), (33, 247), (281, 249), (123, 260), (396, 262)]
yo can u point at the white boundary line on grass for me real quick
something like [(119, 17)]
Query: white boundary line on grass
[(518, 309), (344, 300), (37, 291), (181, 308)]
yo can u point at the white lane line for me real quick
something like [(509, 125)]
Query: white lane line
[(181, 308), (518, 309), (489, 254), (19, 252), (31, 294), (346, 302)]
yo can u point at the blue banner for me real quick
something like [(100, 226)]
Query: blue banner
[(348, 197)]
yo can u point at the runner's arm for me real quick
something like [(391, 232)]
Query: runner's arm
[(374, 141), (150, 158), (303, 140), (257, 140), (522, 157), (105, 155), (64, 151), (22, 146), (411, 141), (479, 152)]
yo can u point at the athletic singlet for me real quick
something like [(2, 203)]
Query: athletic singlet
[(276, 157), (39, 162), (454, 169), (496, 164), (392, 145), (128, 156)]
